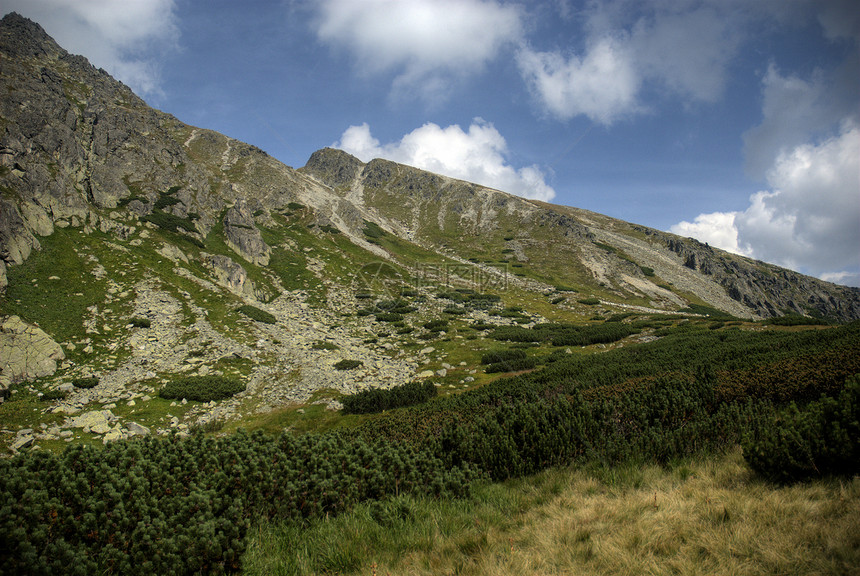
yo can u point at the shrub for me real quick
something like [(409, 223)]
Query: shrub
[(589, 301), (170, 222), (372, 230), (436, 325), (348, 364), (87, 382), (502, 356), (376, 400), (794, 320), (53, 395), (513, 365), (201, 388), (140, 322), (255, 313), (323, 345), (389, 317), (798, 443)]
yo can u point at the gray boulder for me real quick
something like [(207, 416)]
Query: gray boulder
[(26, 352)]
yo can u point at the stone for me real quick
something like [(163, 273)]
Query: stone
[(171, 252), (229, 274), (425, 374), (112, 435), (100, 428), (27, 352), (442, 372), (94, 419), (136, 429), (21, 443)]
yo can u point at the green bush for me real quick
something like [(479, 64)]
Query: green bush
[(255, 313), (794, 320), (140, 322), (502, 356), (349, 364), (87, 382), (202, 388), (819, 439), (389, 317), (589, 301), (170, 222), (324, 345), (377, 400), (513, 365), (50, 395), (172, 506), (372, 230), (436, 325)]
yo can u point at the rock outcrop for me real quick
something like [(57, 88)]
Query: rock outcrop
[(243, 236), (26, 352), (229, 274)]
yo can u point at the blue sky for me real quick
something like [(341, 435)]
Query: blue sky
[(733, 121)]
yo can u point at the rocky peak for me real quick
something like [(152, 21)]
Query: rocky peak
[(21, 37), (334, 167)]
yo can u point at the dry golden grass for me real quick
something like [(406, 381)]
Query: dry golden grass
[(710, 517)]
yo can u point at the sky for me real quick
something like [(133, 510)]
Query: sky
[(736, 122)]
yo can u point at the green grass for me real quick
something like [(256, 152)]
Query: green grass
[(57, 306), (704, 516)]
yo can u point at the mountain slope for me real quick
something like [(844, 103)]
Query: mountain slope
[(149, 249), (564, 245)]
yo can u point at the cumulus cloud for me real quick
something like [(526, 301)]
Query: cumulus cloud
[(717, 229), (602, 85), (810, 218), (794, 109), (476, 155), (683, 47), (125, 38), (425, 42)]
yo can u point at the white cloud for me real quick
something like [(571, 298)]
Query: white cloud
[(476, 155), (601, 85), (717, 229), (795, 109), (684, 47), (126, 38), (687, 50), (808, 221), (840, 19), (426, 42)]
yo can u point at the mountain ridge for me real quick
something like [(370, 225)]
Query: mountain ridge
[(91, 175)]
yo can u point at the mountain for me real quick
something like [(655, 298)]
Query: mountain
[(134, 247)]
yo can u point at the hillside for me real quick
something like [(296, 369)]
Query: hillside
[(203, 350), (117, 216)]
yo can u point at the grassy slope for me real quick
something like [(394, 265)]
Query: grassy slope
[(697, 517)]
